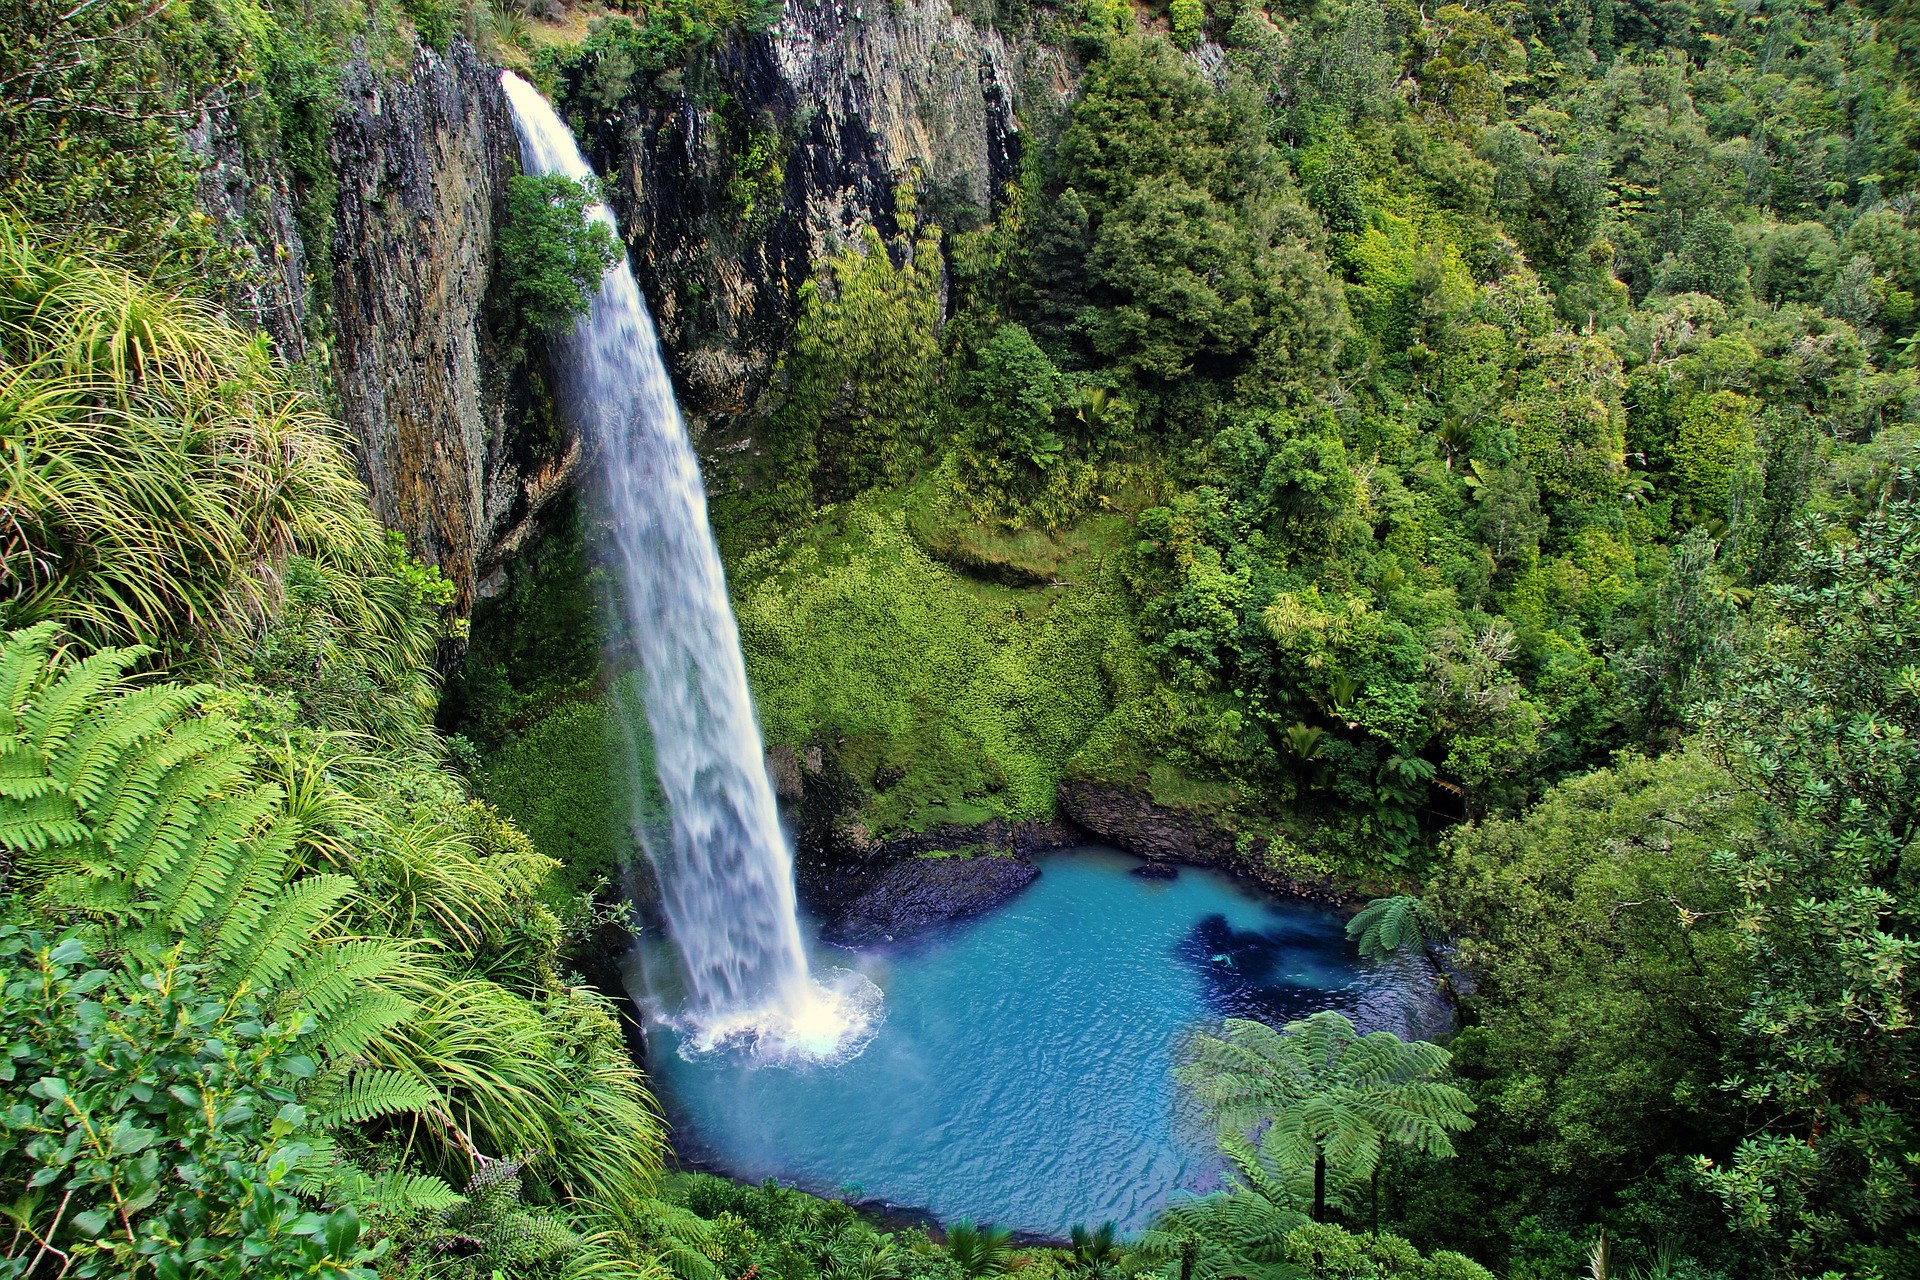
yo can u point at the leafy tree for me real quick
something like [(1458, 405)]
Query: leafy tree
[(552, 251), (1187, 19), (1318, 1094), (1598, 931), (1818, 719), (92, 101), (1176, 251), (1012, 459), (1712, 445), (1017, 392), (1690, 619)]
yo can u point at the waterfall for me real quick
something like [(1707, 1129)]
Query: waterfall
[(725, 873)]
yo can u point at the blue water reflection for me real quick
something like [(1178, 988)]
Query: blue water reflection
[(1024, 1072)]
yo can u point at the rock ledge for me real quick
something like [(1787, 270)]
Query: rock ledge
[(915, 894)]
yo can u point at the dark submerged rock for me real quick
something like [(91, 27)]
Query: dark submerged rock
[(915, 894), (1156, 871)]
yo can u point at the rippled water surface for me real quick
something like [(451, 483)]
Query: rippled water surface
[(1023, 1074)]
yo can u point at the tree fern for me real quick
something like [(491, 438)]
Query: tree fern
[(1319, 1096), (1387, 925), (1239, 1234)]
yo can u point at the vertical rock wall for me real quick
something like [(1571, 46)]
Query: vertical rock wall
[(455, 456), (846, 99), (249, 200), (861, 96)]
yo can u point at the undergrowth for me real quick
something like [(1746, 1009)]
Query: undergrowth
[(970, 697)]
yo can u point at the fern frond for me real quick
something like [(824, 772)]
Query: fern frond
[(216, 859), (54, 712), (351, 1029), (398, 1192), (242, 897), (23, 663), (86, 762), (289, 924), (23, 770), (151, 806), (39, 824), (368, 1095), (335, 971)]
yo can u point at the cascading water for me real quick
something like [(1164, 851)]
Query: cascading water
[(726, 877)]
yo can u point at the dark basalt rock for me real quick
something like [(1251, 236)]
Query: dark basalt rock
[(1129, 819), (460, 452), (915, 894), (1156, 871)]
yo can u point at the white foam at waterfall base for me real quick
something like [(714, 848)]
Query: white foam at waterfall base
[(725, 873)]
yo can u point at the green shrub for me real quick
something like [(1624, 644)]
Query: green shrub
[(552, 254), (150, 1126), (863, 363), (1188, 19), (164, 467)]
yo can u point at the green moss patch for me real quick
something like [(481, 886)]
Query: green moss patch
[(559, 781), (966, 698)]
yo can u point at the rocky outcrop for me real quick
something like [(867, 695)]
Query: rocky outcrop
[(821, 119), (916, 894), (456, 455), (1132, 821), (249, 201)]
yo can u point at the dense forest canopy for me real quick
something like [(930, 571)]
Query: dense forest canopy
[(1461, 453)]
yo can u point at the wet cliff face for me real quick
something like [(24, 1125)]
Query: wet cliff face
[(734, 176), (456, 453), (249, 198)]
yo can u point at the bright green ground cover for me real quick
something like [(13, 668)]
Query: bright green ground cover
[(977, 695)]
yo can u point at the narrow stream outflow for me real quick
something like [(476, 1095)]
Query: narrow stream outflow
[(725, 873)]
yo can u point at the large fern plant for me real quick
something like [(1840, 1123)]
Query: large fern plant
[(1318, 1095), (1388, 925), (142, 810), (130, 808)]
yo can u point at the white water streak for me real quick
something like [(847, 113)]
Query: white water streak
[(725, 872)]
